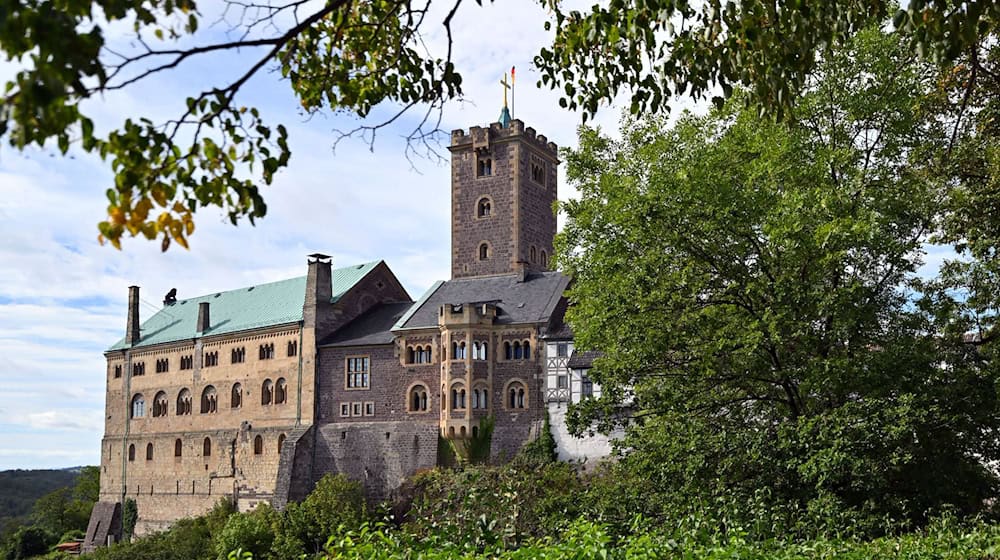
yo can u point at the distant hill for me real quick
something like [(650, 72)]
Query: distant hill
[(20, 488)]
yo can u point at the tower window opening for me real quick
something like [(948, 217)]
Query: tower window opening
[(484, 167), (484, 208), (484, 251)]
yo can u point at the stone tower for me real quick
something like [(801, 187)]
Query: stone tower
[(503, 187)]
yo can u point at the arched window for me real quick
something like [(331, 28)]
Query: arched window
[(458, 397), (178, 448), (266, 392), (484, 208), (138, 406), (206, 447), (410, 358), (281, 441), (280, 391), (484, 251), (545, 260), (418, 398), (518, 351), (258, 445), (533, 255), (209, 400), (475, 349), (160, 405), (454, 350), (516, 395), (527, 350), (183, 402), (508, 352), (149, 451), (461, 350), (131, 452), (236, 398), (475, 399)]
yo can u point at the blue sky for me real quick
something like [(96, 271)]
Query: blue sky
[(63, 296)]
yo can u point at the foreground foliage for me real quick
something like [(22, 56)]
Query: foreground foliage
[(585, 540)]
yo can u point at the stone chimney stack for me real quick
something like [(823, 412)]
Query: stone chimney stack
[(132, 325), (317, 312), (204, 322)]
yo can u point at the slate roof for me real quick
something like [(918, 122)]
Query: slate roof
[(583, 360), (372, 328), (531, 301), (252, 307)]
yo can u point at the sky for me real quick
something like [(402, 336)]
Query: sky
[(63, 297)]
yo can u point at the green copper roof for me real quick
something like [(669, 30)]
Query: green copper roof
[(264, 305), (504, 117)]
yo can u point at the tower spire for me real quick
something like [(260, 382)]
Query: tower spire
[(504, 119)]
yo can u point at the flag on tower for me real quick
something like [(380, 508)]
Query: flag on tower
[(512, 89)]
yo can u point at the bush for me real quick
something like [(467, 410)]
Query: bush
[(480, 507), (335, 502), (251, 532)]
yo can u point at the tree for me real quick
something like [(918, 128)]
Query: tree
[(352, 56), (660, 48), (752, 285)]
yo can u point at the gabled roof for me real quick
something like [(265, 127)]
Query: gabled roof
[(583, 360), (371, 328), (253, 307), (530, 301)]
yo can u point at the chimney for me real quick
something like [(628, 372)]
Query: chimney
[(203, 319), (521, 268), (317, 311), (132, 325)]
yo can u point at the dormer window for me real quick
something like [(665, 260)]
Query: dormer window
[(484, 167), (484, 208)]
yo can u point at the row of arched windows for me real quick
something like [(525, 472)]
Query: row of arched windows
[(517, 350), (533, 255), (276, 393), (206, 447), (459, 398), (419, 355), (270, 393)]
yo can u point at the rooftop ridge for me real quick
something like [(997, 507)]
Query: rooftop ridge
[(265, 284)]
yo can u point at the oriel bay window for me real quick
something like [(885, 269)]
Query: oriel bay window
[(358, 372)]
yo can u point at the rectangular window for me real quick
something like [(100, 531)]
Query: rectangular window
[(562, 349), (345, 409), (356, 409), (369, 409), (357, 372), (587, 387), (561, 382), (118, 371)]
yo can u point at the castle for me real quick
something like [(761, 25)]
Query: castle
[(254, 394)]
